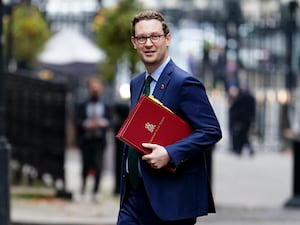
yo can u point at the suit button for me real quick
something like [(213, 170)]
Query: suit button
[(183, 160)]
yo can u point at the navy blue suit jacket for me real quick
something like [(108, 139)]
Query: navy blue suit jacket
[(186, 193)]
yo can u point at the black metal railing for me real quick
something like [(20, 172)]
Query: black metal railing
[(35, 120)]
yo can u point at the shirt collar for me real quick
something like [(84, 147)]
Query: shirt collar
[(156, 74)]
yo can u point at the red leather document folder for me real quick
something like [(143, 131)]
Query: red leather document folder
[(151, 122)]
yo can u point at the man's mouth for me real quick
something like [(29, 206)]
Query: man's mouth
[(149, 52)]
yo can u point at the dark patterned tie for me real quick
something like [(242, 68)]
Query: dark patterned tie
[(133, 154)]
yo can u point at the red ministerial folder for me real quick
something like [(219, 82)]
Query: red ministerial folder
[(151, 122)]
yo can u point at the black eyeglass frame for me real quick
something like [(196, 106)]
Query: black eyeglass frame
[(154, 38)]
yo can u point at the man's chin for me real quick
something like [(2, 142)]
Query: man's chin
[(149, 60), (149, 63)]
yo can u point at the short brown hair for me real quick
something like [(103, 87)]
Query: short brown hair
[(149, 15)]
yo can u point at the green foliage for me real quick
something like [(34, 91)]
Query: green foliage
[(112, 27), (29, 32)]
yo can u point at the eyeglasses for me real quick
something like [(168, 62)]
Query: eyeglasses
[(154, 38)]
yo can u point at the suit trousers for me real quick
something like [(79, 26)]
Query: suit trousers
[(137, 210)]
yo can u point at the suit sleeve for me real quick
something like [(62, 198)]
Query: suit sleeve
[(198, 112)]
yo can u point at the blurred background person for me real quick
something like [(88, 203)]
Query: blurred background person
[(219, 68), (93, 120), (241, 117)]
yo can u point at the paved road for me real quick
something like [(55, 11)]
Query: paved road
[(246, 190)]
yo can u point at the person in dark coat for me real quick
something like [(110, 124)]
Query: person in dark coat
[(93, 120), (241, 118)]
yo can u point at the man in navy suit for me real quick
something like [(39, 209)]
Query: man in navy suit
[(161, 197)]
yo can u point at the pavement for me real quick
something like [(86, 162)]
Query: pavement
[(247, 190)]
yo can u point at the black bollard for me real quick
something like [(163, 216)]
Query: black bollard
[(294, 201)]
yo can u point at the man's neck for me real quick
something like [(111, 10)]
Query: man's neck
[(151, 67)]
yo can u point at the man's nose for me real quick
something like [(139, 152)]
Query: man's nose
[(148, 41)]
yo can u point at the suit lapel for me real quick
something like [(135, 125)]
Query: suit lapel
[(160, 87), (163, 81)]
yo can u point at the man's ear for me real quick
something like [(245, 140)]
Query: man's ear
[(133, 42), (168, 38)]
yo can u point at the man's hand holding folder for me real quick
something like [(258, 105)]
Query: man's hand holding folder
[(161, 127)]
